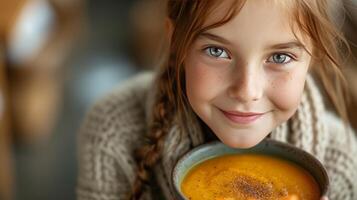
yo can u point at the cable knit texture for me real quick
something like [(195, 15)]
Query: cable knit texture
[(117, 124)]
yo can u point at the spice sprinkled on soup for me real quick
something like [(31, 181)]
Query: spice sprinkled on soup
[(248, 177)]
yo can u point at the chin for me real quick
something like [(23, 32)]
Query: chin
[(241, 143)]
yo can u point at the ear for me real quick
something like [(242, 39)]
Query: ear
[(169, 28)]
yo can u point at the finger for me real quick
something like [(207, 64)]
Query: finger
[(291, 197), (324, 198)]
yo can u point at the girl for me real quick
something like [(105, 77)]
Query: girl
[(236, 71)]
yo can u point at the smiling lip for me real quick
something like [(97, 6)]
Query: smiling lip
[(242, 117)]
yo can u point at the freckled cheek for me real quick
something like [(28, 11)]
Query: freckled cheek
[(203, 82), (285, 91), (197, 83)]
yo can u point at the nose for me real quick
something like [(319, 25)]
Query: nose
[(247, 84)]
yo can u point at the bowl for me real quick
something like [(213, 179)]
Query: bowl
[(266, 147)]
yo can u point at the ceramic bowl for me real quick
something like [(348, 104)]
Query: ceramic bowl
[(266, 147)]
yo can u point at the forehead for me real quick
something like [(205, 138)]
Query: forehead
[(219, 9), (261, 20)]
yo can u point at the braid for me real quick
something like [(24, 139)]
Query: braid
[(149, 154)]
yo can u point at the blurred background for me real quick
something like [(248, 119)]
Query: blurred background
[(56, 58)]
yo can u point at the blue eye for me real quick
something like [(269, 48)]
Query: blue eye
[(216, 52), (280, 58)]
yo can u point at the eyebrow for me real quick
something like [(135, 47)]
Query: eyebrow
[(214, 37), (288, 45), (285, 45)]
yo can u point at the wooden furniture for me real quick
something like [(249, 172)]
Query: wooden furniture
[(6, 172), (30, 90), (9, 10)]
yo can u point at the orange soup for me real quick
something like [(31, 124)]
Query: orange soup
[(248, 177)]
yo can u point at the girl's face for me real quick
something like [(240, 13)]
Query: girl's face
[(247, 76)]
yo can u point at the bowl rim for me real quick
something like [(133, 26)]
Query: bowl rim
[(324, 188)]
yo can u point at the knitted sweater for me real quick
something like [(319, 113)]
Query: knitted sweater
[(117, 124)]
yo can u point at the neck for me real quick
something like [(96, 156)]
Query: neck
[(207, 132)]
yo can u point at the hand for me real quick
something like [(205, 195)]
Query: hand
[(294, 197), (290, 197)]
